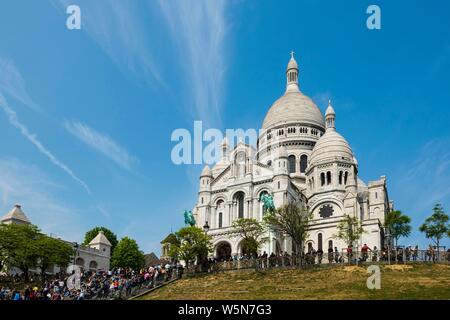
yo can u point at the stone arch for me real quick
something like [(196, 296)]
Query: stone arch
[(222, 250), (292, 161), (93, 265), (79, 262), (303, 162), (260, 189), (218, 198), (239, 197)]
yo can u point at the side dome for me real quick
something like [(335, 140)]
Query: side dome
[(331, 146), (293, 106)]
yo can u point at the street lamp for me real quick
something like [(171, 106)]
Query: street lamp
[(206, 227), (75, 245), (388, 239)]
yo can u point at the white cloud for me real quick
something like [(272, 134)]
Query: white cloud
[(428, 176), (12, 83), (118, 28), (200, 29), (14, 121), (101, 143)]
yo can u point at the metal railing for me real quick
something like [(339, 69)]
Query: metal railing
[(335, 258)]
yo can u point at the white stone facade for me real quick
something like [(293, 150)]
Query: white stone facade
[(299, 156)]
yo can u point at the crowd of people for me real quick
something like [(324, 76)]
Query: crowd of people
[(332, 256), (114, 284), (123, 283)]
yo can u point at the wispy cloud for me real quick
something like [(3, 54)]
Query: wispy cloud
[(118, 28), (12, 83), (14, 121), (200, 29), (102, 143), (28, 185), (429, 175)]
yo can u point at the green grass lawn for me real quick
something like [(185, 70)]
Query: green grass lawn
[(419, 281)]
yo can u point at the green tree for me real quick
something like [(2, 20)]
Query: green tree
[(436, 227), (52, 252), (251, 231), (111, 236), (128, 255), (18, 244), (292, 219), (349, 230), (193, 245), (398, 225)]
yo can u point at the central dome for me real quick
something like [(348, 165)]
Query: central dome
[(293, 106)]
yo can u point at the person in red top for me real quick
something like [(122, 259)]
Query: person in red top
[(364, 250)]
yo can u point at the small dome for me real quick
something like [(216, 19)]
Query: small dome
[(331, 146), (206, 171)]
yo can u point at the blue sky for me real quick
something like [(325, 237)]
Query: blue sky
[(87, 114)]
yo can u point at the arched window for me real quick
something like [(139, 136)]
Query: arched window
[(322, 179), (239, 198), (93, 265), (303, 163), (345, 177), (79, 262), (220, 220), (340, 177), (330, 244), (329, 177), (319, 241), (291, 167)]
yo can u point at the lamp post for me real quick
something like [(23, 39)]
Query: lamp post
[(75, 245), (388, 239), (206, 227)]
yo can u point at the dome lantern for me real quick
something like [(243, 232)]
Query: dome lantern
[(330, 116), (292, 75)]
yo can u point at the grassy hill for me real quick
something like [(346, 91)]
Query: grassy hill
[(419, 281)]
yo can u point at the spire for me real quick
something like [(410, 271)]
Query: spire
[(330, 116), (100, 238), (16, 215), (225, 148), (292, 74)]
